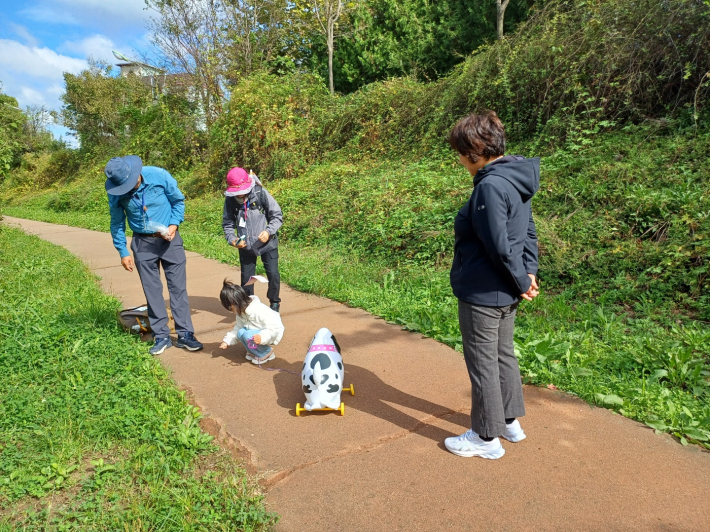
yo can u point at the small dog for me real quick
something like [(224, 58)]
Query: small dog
[(322, 374)]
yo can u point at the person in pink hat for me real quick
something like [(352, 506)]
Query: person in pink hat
[(251, 219)]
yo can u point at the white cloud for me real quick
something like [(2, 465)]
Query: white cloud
[(24, 34), (96, 46), (35, 61), (33, 74), (124, 9), (30, 96), (49, 15), (112, 17)]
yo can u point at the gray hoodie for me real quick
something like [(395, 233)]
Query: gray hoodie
[(258, 213)]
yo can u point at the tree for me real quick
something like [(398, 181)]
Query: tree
[(256, 35), (501, 5), (418, 38), (38, 117), (326, 14), (95, 103), (12, 122), (190, 34)]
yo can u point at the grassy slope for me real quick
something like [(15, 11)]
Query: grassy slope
[(624, 235), (93, 433)]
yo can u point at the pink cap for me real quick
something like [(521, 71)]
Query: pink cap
[(238, 181)]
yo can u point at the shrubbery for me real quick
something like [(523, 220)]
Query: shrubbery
[(574, 69)]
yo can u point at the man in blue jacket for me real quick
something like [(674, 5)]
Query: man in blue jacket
[(148, 197)]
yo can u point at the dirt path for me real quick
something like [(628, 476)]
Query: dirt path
[(383, 466)]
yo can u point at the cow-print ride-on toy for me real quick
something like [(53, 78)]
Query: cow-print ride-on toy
[(322, 375)]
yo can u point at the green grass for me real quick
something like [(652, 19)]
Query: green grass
[(624, 229), (93, 433)]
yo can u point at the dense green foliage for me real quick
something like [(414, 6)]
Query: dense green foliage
[(609, 93), (419, 38), (111, 113), (22, 132), (570, 72), (94, 435), (623, 284), (11, 123)]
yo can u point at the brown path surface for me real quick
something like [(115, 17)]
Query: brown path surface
[(383, 466)]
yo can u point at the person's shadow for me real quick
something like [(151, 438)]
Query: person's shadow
[(213, 306), (372, 396)]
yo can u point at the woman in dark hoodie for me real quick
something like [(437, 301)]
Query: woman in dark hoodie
[(494, 267)]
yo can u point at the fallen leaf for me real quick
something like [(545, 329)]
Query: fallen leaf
[(552, 387)]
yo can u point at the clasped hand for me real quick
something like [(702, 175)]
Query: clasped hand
[(533, 291)]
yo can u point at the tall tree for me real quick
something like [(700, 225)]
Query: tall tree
[(94, 103), (190, 36), (256, 33), (501, 5), (419, 38), (326, 14)]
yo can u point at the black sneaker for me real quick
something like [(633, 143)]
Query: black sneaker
[(189, 342), (275, 306), (160, 345)]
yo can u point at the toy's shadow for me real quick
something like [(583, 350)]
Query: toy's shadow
[(372, 396)]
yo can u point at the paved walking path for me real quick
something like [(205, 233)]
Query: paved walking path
[(383, 466)]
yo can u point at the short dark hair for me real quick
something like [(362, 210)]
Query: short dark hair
[(234, 296), (479, 135)]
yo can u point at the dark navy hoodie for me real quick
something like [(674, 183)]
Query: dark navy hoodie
[(496, 241)]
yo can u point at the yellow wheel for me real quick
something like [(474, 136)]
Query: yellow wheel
[(342, 409), (299, 409), (352, 389)]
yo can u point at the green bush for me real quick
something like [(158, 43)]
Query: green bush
[(268, 126)]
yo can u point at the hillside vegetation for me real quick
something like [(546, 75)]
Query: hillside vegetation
[(613, 96)]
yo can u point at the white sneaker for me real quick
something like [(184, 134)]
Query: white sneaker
[(514, 432), (470, 444), (266, 358)]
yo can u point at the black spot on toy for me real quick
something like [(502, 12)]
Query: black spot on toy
[(323, 359)]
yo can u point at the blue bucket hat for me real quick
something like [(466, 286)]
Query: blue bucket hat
[(122, 174)]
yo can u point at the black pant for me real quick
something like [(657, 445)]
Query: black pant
[(270, 259)]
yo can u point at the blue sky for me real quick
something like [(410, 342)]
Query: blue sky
[(41, 39)]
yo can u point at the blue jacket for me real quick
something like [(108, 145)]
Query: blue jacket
[(496, 242), (164, 203)]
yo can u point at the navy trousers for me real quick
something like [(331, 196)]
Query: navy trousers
[(149, 254)]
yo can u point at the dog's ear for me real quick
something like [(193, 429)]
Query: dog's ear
[(336, 343)]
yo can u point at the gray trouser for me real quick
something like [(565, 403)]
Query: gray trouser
[(149, 254), (496, 389), (247, 263)]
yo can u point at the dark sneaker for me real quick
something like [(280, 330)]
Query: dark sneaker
[(275, 306), (189, 342), (160, 345)]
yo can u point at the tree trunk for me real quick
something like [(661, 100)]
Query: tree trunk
[(500, 15), (330, 59)]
